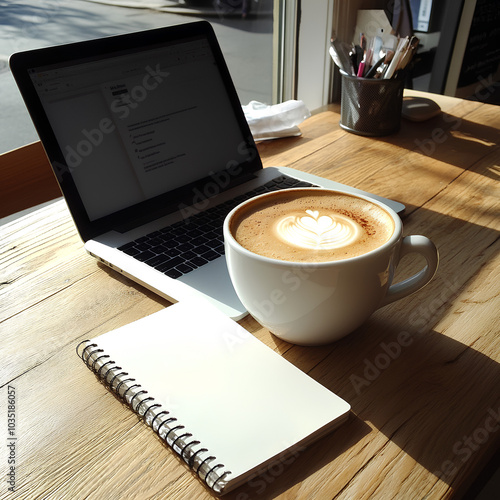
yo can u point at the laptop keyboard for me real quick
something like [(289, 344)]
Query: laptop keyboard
[(190, 243)]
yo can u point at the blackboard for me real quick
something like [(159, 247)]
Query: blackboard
[(482, 54)]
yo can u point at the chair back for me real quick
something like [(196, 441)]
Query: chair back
[(26, 179)]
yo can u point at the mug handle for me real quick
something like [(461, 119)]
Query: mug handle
[(425, 247)]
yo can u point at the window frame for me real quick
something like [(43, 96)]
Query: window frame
[(304, 68)]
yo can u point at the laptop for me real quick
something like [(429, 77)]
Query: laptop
[(149, 143)]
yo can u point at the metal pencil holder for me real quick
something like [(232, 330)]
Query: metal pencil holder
[(371, 106)]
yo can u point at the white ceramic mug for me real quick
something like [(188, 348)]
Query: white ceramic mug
[(318, 303)]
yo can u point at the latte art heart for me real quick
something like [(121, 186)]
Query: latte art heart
[(320, 232), (310, 225)]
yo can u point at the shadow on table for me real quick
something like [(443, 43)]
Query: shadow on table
[(436, 397), (279, 477), (448, 138)]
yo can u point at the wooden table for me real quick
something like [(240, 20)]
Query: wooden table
[(422, 375)]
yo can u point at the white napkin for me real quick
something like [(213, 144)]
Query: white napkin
[(278, 120)]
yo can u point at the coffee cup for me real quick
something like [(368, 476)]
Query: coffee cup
[(312, 264)]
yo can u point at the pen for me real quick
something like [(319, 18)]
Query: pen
[(362, 64), (340, 54), (369, 53), (382, 69), (353, 54), (403, 43), (409, 52), (362, 41), (361, 68), (371, 72)]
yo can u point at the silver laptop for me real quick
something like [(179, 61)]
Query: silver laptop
[(149, 143)]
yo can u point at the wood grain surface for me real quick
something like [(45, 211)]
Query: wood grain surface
[(421, 374)]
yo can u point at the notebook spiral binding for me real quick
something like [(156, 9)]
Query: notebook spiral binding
[(167, 427)]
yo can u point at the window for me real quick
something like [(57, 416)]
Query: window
[(303, 30), (246, 39)]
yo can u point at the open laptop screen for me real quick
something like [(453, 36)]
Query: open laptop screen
[(138, 122)]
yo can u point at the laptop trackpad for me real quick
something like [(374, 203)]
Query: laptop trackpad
[(213, 281)]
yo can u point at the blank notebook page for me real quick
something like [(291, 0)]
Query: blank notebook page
[(244, 402)]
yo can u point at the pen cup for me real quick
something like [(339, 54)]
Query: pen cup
[(371, 106)]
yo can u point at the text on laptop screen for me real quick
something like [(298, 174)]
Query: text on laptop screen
[(142, 124)]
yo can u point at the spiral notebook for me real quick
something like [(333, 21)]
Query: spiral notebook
[(221, 399)]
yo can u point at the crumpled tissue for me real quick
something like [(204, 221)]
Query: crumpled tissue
[(277, 120)]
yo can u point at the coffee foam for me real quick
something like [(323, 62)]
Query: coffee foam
[(319, 232), (311, 225)]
